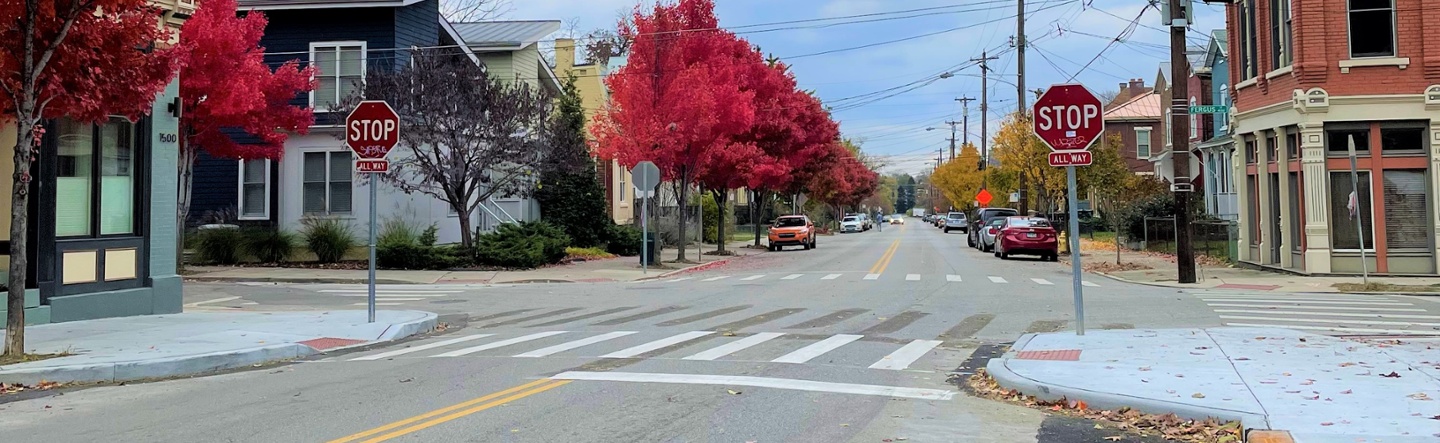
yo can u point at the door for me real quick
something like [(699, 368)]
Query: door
[(1275, 223)]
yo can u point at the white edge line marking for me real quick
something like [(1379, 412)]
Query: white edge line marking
[(761, 382), (1300, 301), (1337, 308), (792, 276), (1331, 314), (872, 276), (722, 277), (421, 347), (831, 277), (1320, 320), (1337, 329), (754, 277), (678, 279), (218, 300), (657, 344), (542, 352), (733, 347), (995, 279), (1086, 283), (817, 349), (1041, 281), (903, 357), (501, 343)]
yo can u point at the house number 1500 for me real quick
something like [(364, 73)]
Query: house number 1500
[(167, 138)]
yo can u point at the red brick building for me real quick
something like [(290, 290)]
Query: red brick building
[(1134, 115), (1307, 77)]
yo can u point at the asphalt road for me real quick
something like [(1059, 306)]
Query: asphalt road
[(852, 341)]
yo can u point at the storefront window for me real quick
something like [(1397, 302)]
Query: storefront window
[(1403, 137), (1251, 191), (1406, 223), (1338, 141), (1345, 208), (74, 173), (117, 178)]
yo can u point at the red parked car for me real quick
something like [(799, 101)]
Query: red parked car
[(1027, 235)]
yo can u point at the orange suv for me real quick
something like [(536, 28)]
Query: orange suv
[(792, 230)]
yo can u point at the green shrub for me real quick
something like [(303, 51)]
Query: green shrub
[(220, 246), (269, 245), (522, 245), (397, 231), (398, 246), (328, 238), (624, 240)]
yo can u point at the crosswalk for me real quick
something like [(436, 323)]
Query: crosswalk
[(844, 277), (389, 294), (797, 350), (1331, 314)]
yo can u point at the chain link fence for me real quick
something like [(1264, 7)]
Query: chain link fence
[(1214, 238)]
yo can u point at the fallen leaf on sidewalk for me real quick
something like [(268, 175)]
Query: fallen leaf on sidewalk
[(1097, 425), (1197, 395), (1326, 423), (727, 334), (1144, 368), (1346, 364), (1242, 358), (1347, 391), (1307, 382), (1420, 396), (732, 392), (1113, 438), (1392, 374), (1287, 374), (406, 380)]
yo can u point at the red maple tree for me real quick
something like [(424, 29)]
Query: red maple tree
[(81, 59), (678, 97), (227, 86)]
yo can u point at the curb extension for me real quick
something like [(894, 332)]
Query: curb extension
[(693, 268), (201, 364)]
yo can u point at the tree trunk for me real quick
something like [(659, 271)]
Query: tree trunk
[(19, 218), (684, 203), (754, 214), (467, 237), (182, 206), (722, 198)]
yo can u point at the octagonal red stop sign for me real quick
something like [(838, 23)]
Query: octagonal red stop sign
[(372, 129), (1068, 117)]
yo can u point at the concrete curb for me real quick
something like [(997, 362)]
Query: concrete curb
[(1002, 374), (199, 364), (313, 280), (692, 268)]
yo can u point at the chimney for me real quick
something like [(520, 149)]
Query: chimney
[(564, 55), (1137, 87)]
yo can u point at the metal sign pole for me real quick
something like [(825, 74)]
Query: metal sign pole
[(1075, 253), (644, 235), (370, 297), (1359, 215)]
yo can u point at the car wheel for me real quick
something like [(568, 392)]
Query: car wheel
[(814, 243), (969, 241), (1004, 255), (806, 246)]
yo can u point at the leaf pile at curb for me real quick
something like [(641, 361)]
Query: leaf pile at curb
[(1167, 426), (11, 388)]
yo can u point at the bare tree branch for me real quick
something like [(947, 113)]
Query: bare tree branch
[(458, 11)]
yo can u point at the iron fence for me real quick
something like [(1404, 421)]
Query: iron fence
[(1215, 238)]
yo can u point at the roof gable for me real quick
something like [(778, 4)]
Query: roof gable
[(1142, 107), (505, 35)]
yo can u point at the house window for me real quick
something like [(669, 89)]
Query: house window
[(1295, 217), (1252, 202), (326, 182), (1404, 136), (342, 71), (1345, 208), (1142, 143), (1194, 121), (1247, 39), (1272, 146), (1337, 140), (254, 189), (1372, 28), (1224, 101), (1406, 223), (1292, 144), (84, 207), (1250, 150), (1280, 49)]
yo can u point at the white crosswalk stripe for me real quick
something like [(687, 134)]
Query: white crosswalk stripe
[(679, 279), (949, 278), (657, 344), (872, 276), (1041, 281), (952, 277), (438, 344), (718, 277), (544, 352), (995, 279), (499, 344), (1087, 283), (903, 357), (735, 346), (817, 349), (912, 277), (792, 276), (753, 277), (1338, 314), (830, 276)]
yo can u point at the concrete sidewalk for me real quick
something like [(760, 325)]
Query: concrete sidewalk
[(158, 346), (1318, 388), (603, 270)]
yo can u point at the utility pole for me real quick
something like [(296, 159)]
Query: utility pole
[(1180, 140), (952, 138), (984, 115), (1020, 93), (965, 118)]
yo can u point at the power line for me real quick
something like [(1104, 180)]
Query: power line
[(1130, 29)]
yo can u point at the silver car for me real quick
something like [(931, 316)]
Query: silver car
[(988, 233)]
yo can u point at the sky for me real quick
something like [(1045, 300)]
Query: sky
[(881, 72)]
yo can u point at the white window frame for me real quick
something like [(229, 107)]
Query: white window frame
[(1149, 148), (336, 45), (1225, 101), (1281, 11), (621, 176), (240, 198), (1394, 36), (329, 203), (1194, 121)]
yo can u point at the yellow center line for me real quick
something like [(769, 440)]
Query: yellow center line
[(543, 384), (884, 261)]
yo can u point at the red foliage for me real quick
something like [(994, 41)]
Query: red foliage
[(227, 84), (679, 96), (107, 62)]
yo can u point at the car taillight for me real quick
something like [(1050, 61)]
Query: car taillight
[(991, 231)]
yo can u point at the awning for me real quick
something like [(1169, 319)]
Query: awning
[(1216, 142)]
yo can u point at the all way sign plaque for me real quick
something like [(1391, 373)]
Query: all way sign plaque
[(1070, 158)]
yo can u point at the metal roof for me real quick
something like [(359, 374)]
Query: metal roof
[(506, 34), (318, 4), (1142, 107)]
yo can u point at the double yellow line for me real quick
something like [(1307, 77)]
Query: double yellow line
[(879, 267), (448, 413)]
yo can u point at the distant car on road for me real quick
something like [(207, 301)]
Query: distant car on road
[(897, 219), (982, 217), (988, 233), (851, 223), (792, 230), (1027, 235), (956, 221)]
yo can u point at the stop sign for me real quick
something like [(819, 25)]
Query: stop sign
[(1068, 117), (372, 129)]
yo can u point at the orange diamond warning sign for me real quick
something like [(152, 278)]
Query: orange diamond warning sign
[(984, 197)]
